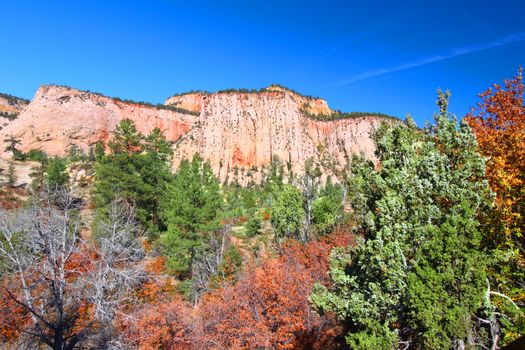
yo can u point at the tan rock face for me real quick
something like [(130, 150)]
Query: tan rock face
[(239, 133), (12, 104), (60, 117), (191, 102), (10, 108), (317, 106)]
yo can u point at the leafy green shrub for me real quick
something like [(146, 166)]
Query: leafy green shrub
[(419, 275), (253, 226), (338, 115), (56, 173), (37, 155), (287, 213)]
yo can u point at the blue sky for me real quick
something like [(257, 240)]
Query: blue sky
[(385, 56)]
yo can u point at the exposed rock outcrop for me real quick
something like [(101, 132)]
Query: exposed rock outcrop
[(191, 101), (59, 117), (10, 108), (241, 132), (238, 132)]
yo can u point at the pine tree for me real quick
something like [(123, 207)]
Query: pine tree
[(327, 208), (56, 173), (99, 151), (12, 143), (193, 203), (288, 214), (137, 170), (253, 225), (11, 175), (156, 172)]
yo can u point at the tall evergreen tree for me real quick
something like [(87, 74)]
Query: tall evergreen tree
[(137, 170), (328, 207), (193, 203), (418, 276), (156, 172), (56, 175), (11, 175), (288, 215)]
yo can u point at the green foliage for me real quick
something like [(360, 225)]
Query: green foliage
[(13, 100), (193, 203), (11, 175), (12, 146), (253, 226), (287, 213), (56, 174), (157, 106), (377, 336), (338, 115), (126, 139), (233, 206), (243, 201), (241, 91), (247, 91), (9, 115), (419, 274), (37, 156), (274, 178), (137, 170), (38, 171), (327, 208), (99, 151), (146, 104), (310, 183), (75, 154), (199, 92), (231, 263), (177, 109)]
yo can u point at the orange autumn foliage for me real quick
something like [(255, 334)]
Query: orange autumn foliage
[(156, 265), (11, 314), (267, 308), (161, 326), (15, 319), (499, 126)]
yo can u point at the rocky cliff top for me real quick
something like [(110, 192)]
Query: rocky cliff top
[(9, 103), (238, 131), (10, 108)]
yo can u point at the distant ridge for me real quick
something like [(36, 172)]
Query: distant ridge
[(238, 131)]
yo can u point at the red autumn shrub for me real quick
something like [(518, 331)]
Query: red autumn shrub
[(267, 308)]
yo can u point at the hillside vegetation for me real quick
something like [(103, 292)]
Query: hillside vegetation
[(423, 249)]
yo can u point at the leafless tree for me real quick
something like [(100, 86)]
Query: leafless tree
[(309, 185), (69, 288), (207, 265)]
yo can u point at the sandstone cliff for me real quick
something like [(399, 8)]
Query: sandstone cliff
[(238, 132), (59, 117), (10, 108)]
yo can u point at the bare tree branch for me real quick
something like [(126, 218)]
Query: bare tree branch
[(68, 286)]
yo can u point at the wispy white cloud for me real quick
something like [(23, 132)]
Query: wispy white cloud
[(513, 38)]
